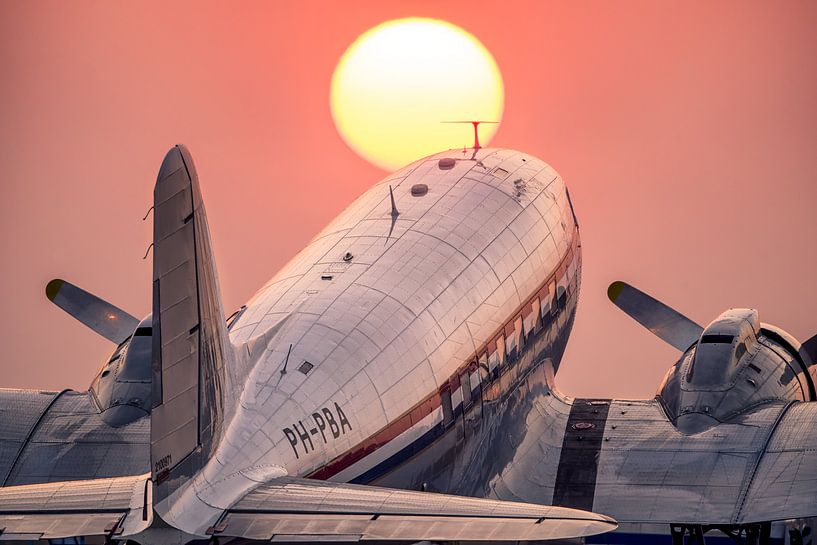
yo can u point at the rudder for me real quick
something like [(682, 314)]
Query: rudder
[(190, 343)]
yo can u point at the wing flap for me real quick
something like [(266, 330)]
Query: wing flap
[(98, 507), (291, 509), (57, 525), (785, 483)]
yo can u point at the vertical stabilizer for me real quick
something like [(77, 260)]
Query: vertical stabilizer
[(190, 343)]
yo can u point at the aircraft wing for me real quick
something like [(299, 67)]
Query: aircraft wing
[(290, 509), (633, 465), (761, 467), (785, 482), (101, 507)]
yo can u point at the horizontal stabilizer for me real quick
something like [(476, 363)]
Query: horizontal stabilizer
[(109, 321), (667, 324), (114, 508), (290, 509)]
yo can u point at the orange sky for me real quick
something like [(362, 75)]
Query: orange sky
[(685, 131)]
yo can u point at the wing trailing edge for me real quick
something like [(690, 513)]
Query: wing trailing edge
[(114, 508), (290, 509)]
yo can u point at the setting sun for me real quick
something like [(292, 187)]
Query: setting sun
[(398, 81)]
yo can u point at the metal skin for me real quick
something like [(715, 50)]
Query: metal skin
[(122, 389), (413, 344)]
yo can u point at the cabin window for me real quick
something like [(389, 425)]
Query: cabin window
[(512, 340), (454, 383), (475, 378), (448, 409), (554, 308), (483, 369), (500, 350), (493, 362), (465, 381), (456, 394), (561, 297), (531, 320), (544, 306), (561, 287)]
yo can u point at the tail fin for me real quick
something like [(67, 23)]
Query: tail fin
[(190, 343)]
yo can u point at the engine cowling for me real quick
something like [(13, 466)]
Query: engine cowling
[(122, 388), (736, 365)]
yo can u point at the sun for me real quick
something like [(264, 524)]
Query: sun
[(397, 83)]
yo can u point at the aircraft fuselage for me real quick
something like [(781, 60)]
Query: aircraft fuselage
[(398, 322)]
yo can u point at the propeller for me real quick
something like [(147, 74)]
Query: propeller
[(107, 320), (666, 323)]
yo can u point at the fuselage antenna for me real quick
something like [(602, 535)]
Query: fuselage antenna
[(476, 125), (394, 212), (284, 368)]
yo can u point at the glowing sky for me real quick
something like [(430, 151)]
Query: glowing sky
[(686, 133), (399, 81)]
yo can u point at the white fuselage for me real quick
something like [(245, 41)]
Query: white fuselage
[(366, 338)]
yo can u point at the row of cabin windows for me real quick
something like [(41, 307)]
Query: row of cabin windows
[(505, 348)]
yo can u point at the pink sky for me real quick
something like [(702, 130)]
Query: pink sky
[(685, 131)]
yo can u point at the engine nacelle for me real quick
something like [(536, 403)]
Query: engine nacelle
[(737, 364), (122, 389)]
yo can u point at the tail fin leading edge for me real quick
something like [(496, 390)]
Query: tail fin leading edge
[(190, 343)]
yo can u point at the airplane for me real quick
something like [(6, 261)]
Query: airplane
[(395, 382)]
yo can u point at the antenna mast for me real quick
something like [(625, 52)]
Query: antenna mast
[(476, 129)]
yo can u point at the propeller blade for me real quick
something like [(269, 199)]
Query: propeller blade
[(109, 321), (666, 323)]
